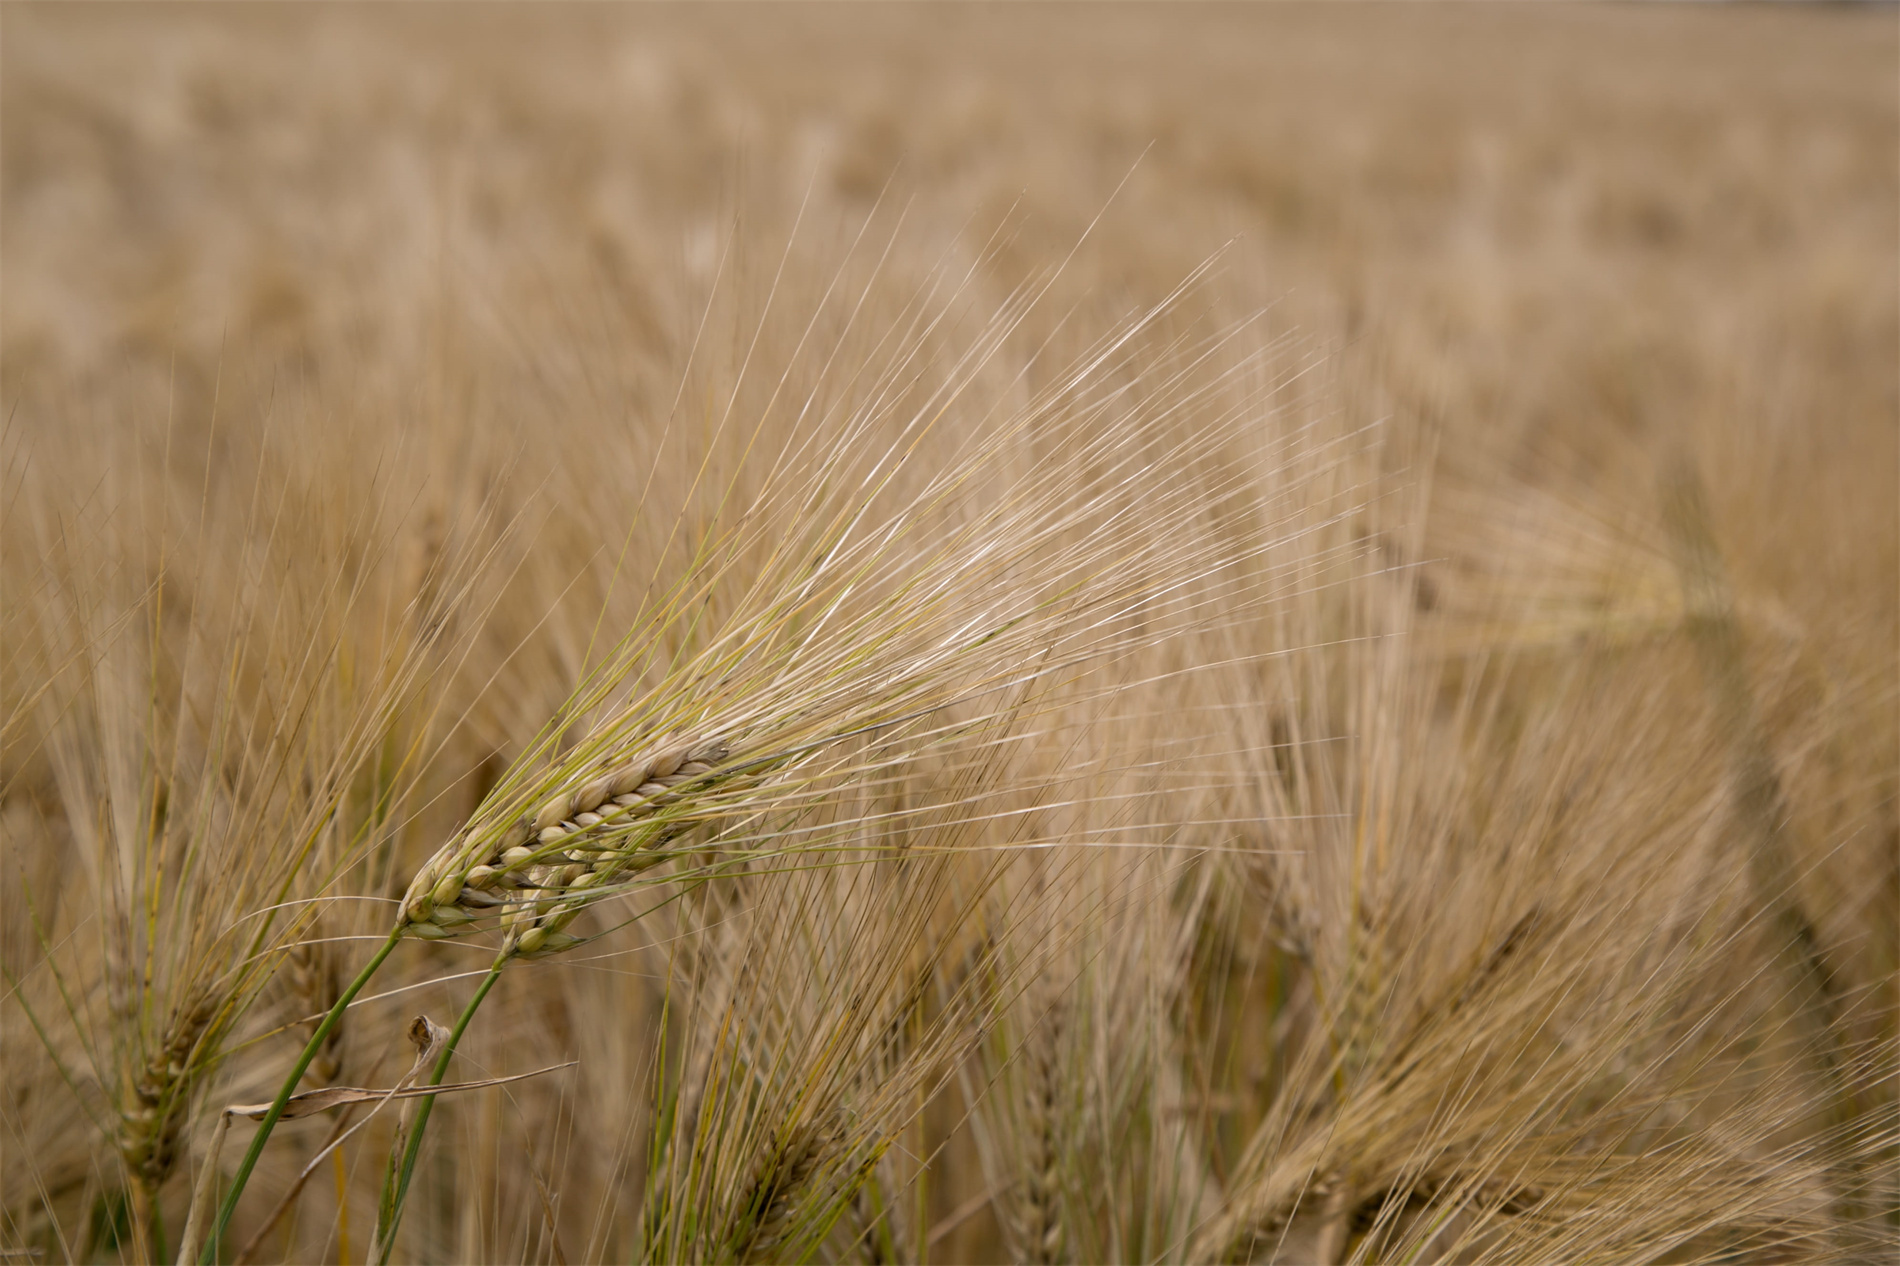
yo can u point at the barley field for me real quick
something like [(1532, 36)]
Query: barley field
[(1031, 633)]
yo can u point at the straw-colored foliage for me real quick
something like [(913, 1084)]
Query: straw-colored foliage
[(1053, 635)]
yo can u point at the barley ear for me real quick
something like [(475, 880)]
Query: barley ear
[(542, 870)]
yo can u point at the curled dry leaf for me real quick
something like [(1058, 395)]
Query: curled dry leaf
[(311, 1102)]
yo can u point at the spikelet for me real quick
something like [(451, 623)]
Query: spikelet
[(768, 1203), (539, 873), (1039, 1211), (153, 1116)]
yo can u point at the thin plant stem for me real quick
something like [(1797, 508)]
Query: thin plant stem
[(396, 1180), (210, 1252), (337, 1130)]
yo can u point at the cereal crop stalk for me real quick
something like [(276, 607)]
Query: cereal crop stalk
[(396, 1180), (284, 1092)]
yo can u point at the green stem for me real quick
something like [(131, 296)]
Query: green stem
[(158, 1232), (209, 1254), (396, 1184)]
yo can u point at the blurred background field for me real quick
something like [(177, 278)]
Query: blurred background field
[(1608, 282), (1551, 231)]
